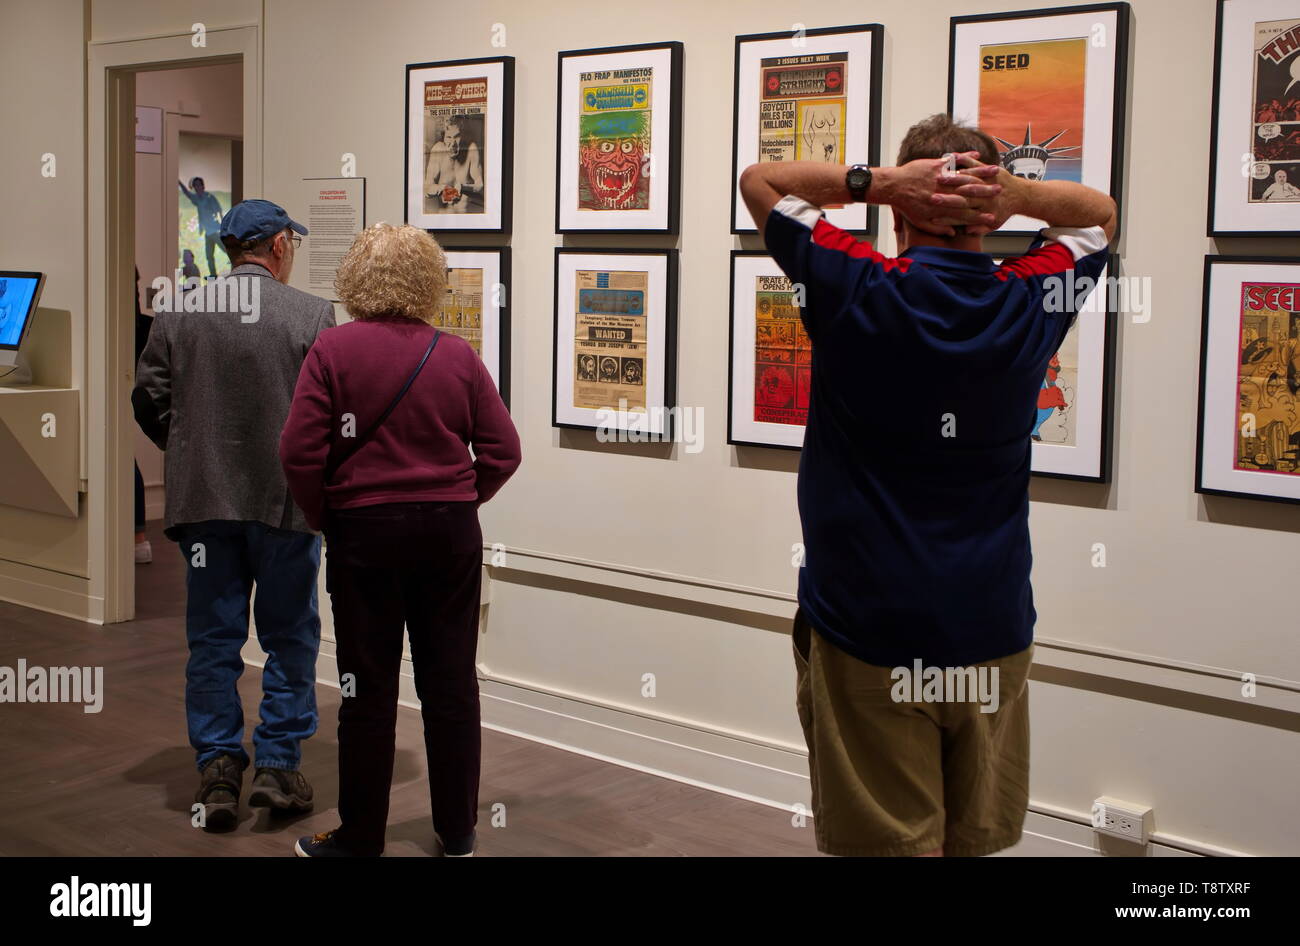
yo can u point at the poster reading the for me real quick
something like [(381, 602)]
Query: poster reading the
[(462, 309), (803, 108), (609, 345), (1031, 100), (614, 139), (782, 354), (454, 135), (1268, 429), (1275, 108)]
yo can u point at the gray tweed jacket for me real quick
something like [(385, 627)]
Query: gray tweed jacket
[(213, 389)]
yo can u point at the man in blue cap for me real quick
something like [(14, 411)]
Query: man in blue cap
[(213, 389)]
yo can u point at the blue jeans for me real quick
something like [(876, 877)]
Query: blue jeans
[(223, 560)]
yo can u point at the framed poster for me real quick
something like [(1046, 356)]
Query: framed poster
[(770, 373), (1248, 428), (1255, 131), (813, 95), (1049, 86), (460, 144), (1072, 430), (477, 309), (615, 358), (618, 150)]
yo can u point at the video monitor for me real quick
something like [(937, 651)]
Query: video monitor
[(19, 294)]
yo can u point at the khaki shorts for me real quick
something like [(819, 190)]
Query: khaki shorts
[(900, 778)]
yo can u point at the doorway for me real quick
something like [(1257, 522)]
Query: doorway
[(134, 204)]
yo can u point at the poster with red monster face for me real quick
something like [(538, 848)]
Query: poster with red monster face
[(618, 141), (614, 139)]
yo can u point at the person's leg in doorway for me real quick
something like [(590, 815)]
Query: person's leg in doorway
[(285, 566), (218, 583), (143, 550), (442, 606)]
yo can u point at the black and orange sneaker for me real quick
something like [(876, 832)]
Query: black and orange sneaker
[(320, 845)]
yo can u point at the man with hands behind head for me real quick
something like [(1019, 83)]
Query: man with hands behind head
[(914, 483)]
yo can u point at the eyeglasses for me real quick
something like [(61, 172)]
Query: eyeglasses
[(297, 240)]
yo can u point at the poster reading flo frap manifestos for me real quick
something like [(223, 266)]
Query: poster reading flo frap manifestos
[(1275, 130), (455, 113), (614, 139), (462, 308), (802, 108), (1268, 429), (1031, 100), (609, 344), (782, 354)]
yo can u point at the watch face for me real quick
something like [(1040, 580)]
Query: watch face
[(857, 179)]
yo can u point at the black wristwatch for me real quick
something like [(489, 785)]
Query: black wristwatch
[(858, 181)]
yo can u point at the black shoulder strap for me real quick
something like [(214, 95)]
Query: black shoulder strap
[(332, 465)]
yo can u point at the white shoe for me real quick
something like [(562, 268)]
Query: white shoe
[(143, 553)]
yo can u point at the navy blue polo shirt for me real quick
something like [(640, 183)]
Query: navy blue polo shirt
[(914, 476)]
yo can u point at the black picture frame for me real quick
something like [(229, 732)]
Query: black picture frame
[(1211, 261), (671, 257), (876, 33), (1212, 222), (503, 344), (507, 153), (1119, 101), (732, 439), (673, 209)]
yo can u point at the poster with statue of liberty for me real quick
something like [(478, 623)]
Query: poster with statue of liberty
[(1048, 87)]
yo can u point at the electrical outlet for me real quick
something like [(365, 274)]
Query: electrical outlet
[(1122, 819)]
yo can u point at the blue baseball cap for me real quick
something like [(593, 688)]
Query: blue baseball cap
[(257, 219)]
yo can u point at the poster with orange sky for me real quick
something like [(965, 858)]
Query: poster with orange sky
[(1031, 98)]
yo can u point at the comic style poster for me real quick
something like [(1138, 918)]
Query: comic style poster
[(609, 345), (614, 139), (782, 354), (455, 112), (1275, 107), (802, 108), (1268, 428), (462, 309), (1055, 421), (1031, 100)]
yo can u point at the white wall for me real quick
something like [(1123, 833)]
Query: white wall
[(1123, 705)]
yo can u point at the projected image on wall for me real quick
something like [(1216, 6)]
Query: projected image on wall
[(208, 186)]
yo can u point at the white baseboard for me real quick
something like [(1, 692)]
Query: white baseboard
[(719, 762), (39, 588)]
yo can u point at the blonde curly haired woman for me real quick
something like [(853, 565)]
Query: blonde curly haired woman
[(376, 452)]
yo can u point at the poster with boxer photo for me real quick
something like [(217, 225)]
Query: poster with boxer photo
[(459, 144), (1049, 86), (1255, 131)]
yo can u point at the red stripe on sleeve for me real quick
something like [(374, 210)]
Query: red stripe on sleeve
[(831, 237), (1043, 261)]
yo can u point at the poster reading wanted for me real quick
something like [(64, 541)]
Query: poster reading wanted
[(609, 345)]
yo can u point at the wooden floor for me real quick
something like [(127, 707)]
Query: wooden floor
[(121, 782)]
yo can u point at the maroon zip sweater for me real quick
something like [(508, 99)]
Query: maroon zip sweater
[(422, 451)]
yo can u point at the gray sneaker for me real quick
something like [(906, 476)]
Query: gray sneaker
[(281, 790)]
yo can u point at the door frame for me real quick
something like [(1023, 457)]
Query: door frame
[(108, 449)]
